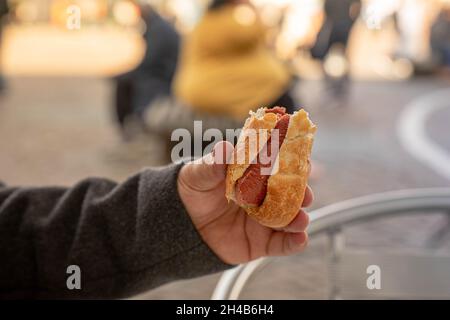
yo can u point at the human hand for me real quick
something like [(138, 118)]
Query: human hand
[(225, 227)]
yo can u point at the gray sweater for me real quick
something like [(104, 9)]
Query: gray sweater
[(125, 238)]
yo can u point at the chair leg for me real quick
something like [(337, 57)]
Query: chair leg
[(336, 244)]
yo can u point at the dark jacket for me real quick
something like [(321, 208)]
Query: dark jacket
[(163, 45), (153, 76), (125, 238)]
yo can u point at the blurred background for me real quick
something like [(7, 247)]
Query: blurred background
[(95, 87)]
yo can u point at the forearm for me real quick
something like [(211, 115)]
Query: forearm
[(125, 238)]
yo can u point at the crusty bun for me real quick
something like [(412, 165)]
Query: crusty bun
[(286, 185)]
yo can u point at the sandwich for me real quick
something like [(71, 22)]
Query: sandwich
[(269, 167)]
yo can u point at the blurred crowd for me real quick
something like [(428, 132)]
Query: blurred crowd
[(217, 60), (234, 59)]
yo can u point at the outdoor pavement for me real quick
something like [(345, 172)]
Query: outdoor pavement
[(439, 122), (59, 130)]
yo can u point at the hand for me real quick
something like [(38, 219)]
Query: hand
[(225, 227)]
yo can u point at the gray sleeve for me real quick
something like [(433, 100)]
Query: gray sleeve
[(125, 238)]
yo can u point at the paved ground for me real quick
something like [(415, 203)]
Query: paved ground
[(57, 131), (438, 123)]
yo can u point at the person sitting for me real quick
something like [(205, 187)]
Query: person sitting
[(225, 67), (152, 78)]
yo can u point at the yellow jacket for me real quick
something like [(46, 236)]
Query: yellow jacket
[(225, 67)]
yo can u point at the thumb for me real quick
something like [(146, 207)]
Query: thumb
[(206, 173)]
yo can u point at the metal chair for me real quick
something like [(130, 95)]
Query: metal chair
[(410, 274)]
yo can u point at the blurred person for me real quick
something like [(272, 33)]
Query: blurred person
[(413, 21), (226, 69), (152, 78), (158, 226), (440, 38), (4, 10), (340, 16)]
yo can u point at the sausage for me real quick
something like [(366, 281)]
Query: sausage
[(280, 111), (251, 188)]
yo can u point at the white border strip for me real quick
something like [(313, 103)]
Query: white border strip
[(412, 133)]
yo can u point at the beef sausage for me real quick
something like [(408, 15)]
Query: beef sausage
[(251, 188)]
